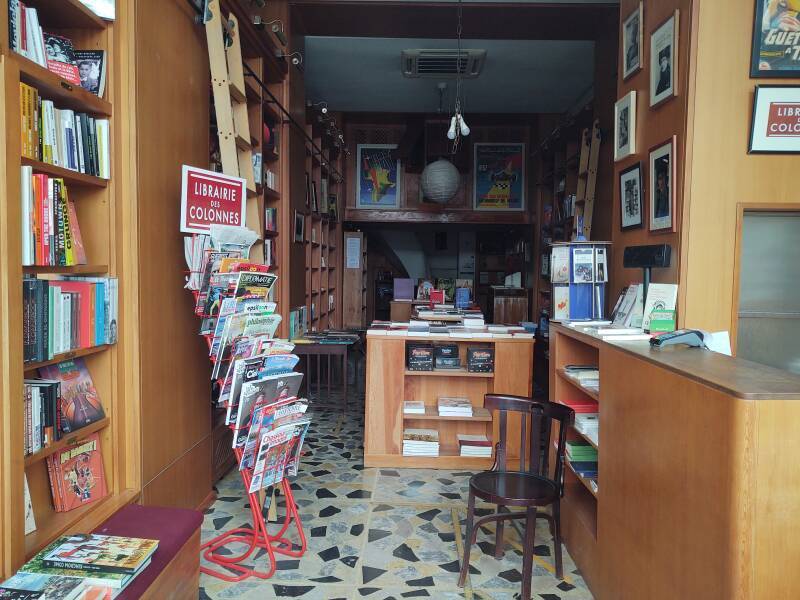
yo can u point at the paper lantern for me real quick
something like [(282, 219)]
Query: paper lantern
[(440, 181)]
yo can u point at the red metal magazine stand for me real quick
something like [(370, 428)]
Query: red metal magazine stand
[(257, 537)]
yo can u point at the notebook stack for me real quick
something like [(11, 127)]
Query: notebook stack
[(474, 445), (582, 458), (81, 566), (420, 442), (588, 425), (413, 407), (455, 407), (587, 376)]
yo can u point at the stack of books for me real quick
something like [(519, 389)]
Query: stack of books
[(455, 407), (587, 406), (587, 376), (81, 566), (582, 458), (474, 445), (413, 407), (420, 442), (588, 425)]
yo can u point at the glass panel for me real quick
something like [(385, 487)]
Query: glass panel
[(770, 341)]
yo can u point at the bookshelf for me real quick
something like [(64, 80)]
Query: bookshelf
[(99, 211), (389, 384)]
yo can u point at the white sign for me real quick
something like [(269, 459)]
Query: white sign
[(353, 253)]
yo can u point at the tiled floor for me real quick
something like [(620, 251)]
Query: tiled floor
[(380, 534)]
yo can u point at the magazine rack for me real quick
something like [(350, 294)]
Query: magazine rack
[(257, 536)]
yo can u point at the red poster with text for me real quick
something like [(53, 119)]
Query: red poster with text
[(209, 198)]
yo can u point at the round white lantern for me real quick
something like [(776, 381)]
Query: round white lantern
[(440, 181)]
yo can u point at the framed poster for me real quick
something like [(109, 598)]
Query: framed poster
[(664, 61), (776, 41), (632, 42), (299, 227), (662, 186), (379, 175), (498, 177), (631, 200), (211, 198), (625, 126), (775, 126)]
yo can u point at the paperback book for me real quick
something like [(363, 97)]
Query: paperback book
[(93, 552), (76, 475)]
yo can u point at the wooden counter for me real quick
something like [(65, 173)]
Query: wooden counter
[(699, 481), (389, 384)]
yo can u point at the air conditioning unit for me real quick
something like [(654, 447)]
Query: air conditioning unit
[(439, 64)]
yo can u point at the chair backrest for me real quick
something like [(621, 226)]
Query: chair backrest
[(536, 431)]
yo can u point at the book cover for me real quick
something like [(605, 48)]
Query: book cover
[(34, 568), (46, 586), (421, 435), (93, 552), (80, 404), (77, 472), (92, 70)]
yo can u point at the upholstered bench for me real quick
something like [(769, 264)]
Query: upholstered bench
[(174, 569)]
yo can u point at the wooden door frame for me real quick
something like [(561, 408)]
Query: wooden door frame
[(741, 209)]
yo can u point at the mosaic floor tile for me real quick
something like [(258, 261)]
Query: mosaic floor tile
[(422, 486)]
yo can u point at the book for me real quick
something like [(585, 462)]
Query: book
[(414, 407), (76, 474), (660, 296), (465, 439), (79, 403), (30, 520), (93, 552), (43, 586), (454, 407), (60, 55), (421, 435), (92, 70)]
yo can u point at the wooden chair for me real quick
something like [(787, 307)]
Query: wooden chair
[(530, 487)]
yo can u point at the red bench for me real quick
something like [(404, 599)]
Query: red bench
[(174, 569)]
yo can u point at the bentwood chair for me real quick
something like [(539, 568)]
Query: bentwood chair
[(533, 486)]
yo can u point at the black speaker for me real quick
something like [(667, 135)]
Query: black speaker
[(645, 257)]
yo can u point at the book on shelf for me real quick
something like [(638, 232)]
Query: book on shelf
[(78, 401), (99, 553), (92, 70), (30, 518), (271, 219), (31, 586), (474, 445), (61, 137), (62, 314), (51, 235), (60, 57), (42, 413), (76, 475), (582, 406), (420, 442), (454, 407), (580, 451), (413, 407)]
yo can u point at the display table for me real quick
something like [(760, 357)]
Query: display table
[(389, 384), (699, 480)]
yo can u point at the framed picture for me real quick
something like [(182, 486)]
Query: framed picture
[(664, 60), (308, 190), (499, 177), (631, 198), (323, 196), (775, 126), (632, 42), (625, 126), (662, 186), (299, 227), (314, 203), (379, 176), (776, 44)]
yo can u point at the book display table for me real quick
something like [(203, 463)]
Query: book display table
[(390, 383)]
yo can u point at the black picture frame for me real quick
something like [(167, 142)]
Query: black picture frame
[(635, 167), (753, 116), (638, 14), (755, 54)]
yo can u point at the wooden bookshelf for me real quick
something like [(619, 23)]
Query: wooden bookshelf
[(390, 384), (100, 210)]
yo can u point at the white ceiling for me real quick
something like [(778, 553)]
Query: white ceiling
[(519, 76)]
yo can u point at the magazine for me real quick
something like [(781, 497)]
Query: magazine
[(267, 389), (267, 417), (273, 453), (243, 326), (251, 369), (254, 285), (210, 267)]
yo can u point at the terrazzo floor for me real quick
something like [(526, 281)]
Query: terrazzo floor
[(380, 534)]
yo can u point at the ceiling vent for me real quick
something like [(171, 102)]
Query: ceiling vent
[(440, 64)]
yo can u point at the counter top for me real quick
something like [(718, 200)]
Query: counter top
[(734, 376)]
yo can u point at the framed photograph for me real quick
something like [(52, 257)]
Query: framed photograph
[(314, 203), (379, 176), (632, 42), (631, 197), (664, 61), (299, 227), (625, 126), (775, 126), (776, 43), (308, 190), (662, 186), (499, 177)]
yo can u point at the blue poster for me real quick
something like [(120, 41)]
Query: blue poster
[(378, 176), (499, 177)]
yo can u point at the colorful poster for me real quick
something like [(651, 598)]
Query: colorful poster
[(499, 177), (378, 176), (776, 42)]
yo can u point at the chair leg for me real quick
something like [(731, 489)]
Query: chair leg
[(557, 539), (498, 540), (467, 539), (527, 553)]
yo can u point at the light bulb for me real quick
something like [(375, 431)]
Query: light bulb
[(451, 133), (464, 129)]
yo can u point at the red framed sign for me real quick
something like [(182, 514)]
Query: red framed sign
[(209, 198)]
